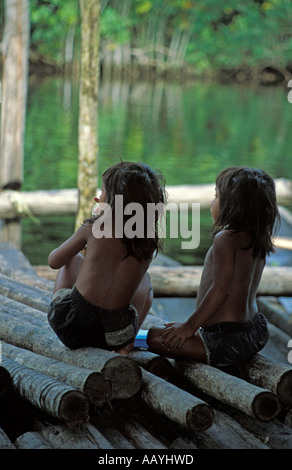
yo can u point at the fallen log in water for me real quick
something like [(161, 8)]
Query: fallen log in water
[(176, 404), (54, 398), (124, 374), (92, 384), (254, 401), (267, 373), (184, 281)]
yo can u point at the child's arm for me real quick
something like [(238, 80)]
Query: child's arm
[(222, 277), (65, 252)]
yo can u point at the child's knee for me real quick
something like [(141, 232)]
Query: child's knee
[(153, 337)]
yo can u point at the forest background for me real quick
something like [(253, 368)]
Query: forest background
[(203, 36)]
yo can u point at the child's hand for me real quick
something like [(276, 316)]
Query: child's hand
[(175, 334)]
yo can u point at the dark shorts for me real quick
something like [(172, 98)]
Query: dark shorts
[(230, 343), (78, 323)]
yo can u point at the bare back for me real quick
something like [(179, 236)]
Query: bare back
[(231, 267), (106, 278)]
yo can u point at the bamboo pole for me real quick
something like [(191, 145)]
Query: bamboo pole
[(91, 383), (267, 373), (55, 398), (124, 374), (176, 404), (254, 401)]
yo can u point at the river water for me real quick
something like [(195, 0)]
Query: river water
[(188, 130)]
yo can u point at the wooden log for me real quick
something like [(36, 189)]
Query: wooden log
[(26, 312), (31, 440), (85, 437), (254, 401), (141, 437), (226, 433), (5, 380), (124, 374), (267, 373), (184, 281), (154, 363), (92, 384), (275, 434), (176, 404), (5, 442), (55, 398), (65, 201), (15, 265), (33, 296), (275, 313)]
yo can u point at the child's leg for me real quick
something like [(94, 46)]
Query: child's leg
[(193, 348), (142, 300), (67, 275)]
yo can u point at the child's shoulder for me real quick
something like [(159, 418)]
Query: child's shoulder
[(231, 238)]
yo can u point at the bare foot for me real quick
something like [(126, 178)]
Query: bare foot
[(126, 350)]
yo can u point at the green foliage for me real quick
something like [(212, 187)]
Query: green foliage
[(205, 33), (50, 23)]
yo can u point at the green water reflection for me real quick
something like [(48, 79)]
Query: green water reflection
[(190, 131)]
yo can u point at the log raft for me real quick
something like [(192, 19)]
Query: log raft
[(17, 329)]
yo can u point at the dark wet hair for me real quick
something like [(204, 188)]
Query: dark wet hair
[(137, 183), (248, 203)]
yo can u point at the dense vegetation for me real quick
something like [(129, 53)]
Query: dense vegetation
[(200, 35)]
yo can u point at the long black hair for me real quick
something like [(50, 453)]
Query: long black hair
[(137, 183), (247, 201)]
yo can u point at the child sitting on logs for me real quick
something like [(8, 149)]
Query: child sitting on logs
[(226, 327), (101, 299)]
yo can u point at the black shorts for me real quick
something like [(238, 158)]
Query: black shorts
[(78, 323), (230, 343)]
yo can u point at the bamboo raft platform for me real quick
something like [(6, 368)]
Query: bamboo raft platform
[(55, 398)]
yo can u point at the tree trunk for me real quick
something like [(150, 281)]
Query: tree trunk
[(254, 401), (268, 374), (124, 374), (88, 107), (55, 398), (176, 404), (91, 383), (15, 47)]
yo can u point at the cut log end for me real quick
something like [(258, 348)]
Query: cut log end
[(97, 389), (125, 376), (74, 409), (284, 388), (266, 406), (200, 418)]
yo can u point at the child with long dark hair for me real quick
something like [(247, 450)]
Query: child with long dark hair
[(101, 300), (226, 327)]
